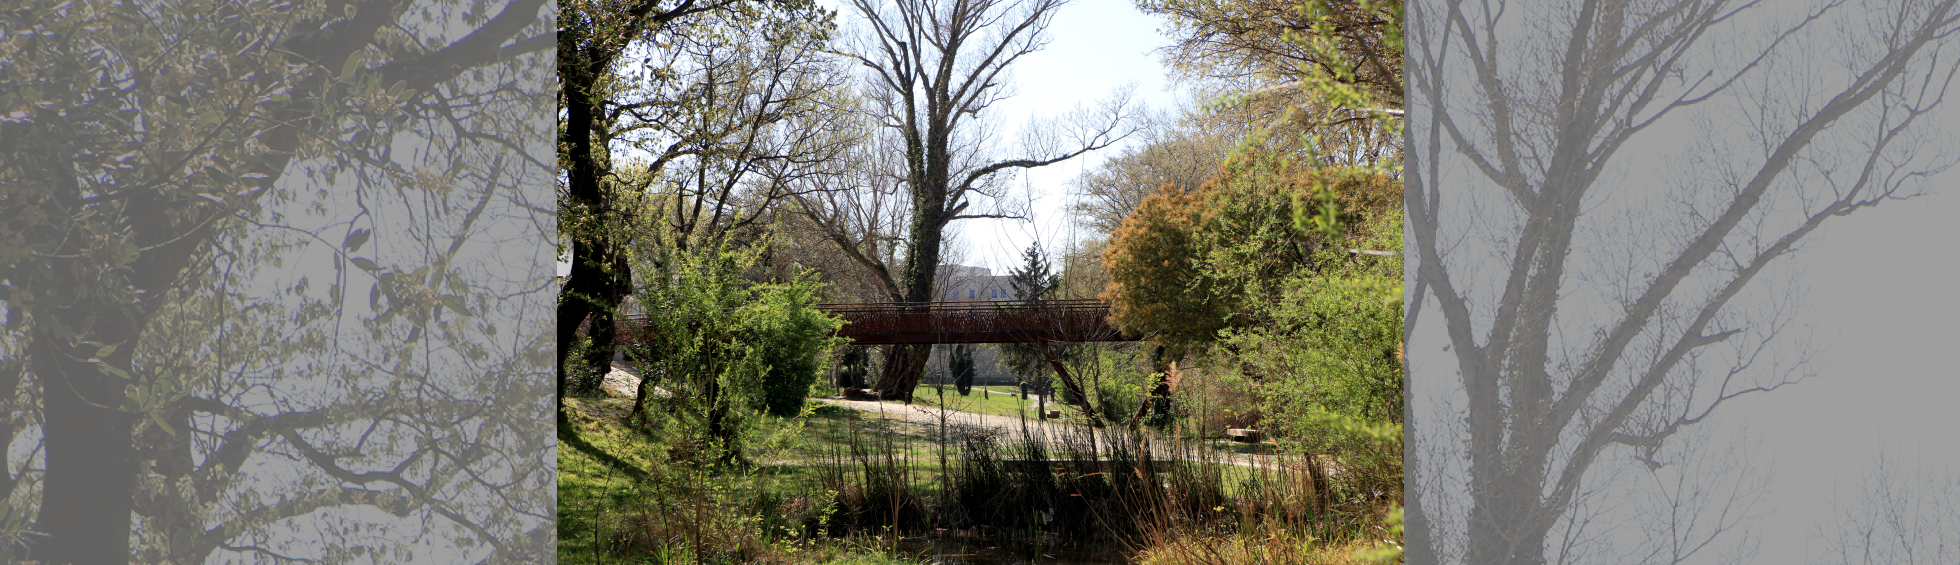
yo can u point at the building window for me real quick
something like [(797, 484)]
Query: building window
[(969, 294)]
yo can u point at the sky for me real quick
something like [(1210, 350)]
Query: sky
[(1097, 47), (1882, 301)]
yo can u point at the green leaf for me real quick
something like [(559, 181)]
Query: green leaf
[(112, 371), (105, 351), (167, 428), (353, 64), (355, 240), (366, 264), (455, 303)]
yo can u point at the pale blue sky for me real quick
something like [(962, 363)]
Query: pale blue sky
[(1096, 47)]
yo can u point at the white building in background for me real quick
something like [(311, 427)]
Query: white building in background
[(959, 283)]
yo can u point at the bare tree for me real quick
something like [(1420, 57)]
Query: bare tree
[(1588, 323), (933, 67), (1181, 150), (1901, 513)]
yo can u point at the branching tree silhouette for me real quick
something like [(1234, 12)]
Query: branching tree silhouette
[(1901, 512), (1613, 319)]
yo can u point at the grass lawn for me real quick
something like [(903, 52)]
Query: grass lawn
[(992, 401), (599, 469), (606, 469)]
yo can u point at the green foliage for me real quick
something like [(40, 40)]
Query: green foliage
[(1186, 266), (725, 348), (1389, 551), (581, 378), (1033, 281), (1325, 358)]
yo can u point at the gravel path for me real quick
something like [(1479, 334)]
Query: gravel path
[(624, 381), (1010, 427)]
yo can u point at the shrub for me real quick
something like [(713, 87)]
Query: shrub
[(727, 348)]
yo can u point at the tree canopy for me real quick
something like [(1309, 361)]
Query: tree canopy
[(190, 195)]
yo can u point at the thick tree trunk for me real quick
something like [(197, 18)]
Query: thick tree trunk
[(600, 272), (1507, 524), (1419, 545), (571, 311), (1159, 399), (904, 365), (91, 480)]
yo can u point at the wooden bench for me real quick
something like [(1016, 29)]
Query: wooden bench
[(1244, 435)]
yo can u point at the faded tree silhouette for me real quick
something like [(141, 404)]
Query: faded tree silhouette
[(274, 281), (1601, 197), (1902, 512)]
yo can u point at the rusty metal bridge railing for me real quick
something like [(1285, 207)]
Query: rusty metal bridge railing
[(956, 322), (975, 322)]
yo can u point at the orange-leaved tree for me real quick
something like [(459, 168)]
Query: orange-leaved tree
[(1183, 265)]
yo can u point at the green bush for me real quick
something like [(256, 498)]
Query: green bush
[(581, 380), (725, 348), (1324, 359)]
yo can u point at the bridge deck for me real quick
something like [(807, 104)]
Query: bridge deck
[(956, 322), (976, 322)]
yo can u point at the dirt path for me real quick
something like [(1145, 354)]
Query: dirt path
[(1010, 427), (624, 381)]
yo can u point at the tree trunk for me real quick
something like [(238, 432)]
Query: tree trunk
[(1072, 391), (91, 480), (1165, 378), (600, 273), (1507, 525), (904, 364)]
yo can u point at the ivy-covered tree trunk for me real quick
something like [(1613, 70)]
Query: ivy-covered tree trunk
[(928, 162), (599, 274)]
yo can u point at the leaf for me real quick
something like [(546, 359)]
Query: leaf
[(455, 303), (105, 351), (167, 428), (366, 264), (112, 371), (353, 64), (355, 240), (374, 297)]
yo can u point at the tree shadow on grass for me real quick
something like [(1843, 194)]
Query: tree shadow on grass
[(567, 436)]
